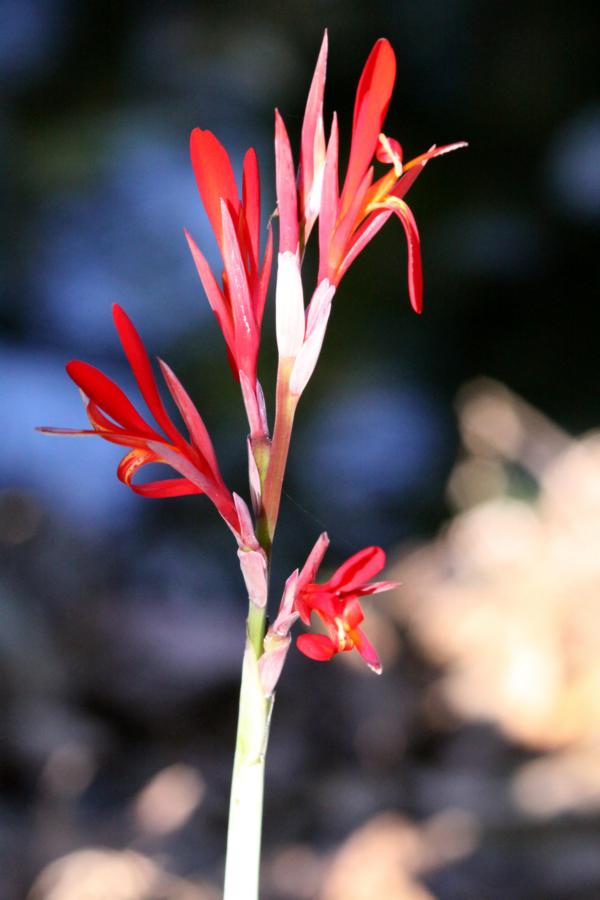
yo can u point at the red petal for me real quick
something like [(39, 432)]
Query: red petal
[(406, 182), (366, 650), (214, 176), (313, 138), (372, 100), (314, 560), (286, 189), (214, 488), (169, 487), (216, 299), (106, 429), (342, 237), (246, 334), (316, 646), (142, 370), (110, 398), (415, 268), (329, 205), (353, 614), (435, 151), (358, 569), (192, 418), (379, 72), (322, 600), (263, 281), (375, 587), (251, 202)]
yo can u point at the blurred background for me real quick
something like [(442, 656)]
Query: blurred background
[(462, 441)]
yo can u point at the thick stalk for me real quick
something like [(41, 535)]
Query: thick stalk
[(242, 864), (284, 419)]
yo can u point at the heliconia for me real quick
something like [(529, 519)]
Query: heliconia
[(114, 418), (336, 603)]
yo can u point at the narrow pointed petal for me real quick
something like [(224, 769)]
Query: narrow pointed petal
[(108, 430), (310, 568), (415, 267), (142, 370), (435, 151), (342, 236), (172, 457), (358, 569), (215, 491), (329, 203), (213, 292), (375, 587), (308, 574), (379, 74), (316, 646), (285, 177), (108, 396), (263, 280), (312, 156), (406, 182), (251, 201), (372, 100), (169, 487), (246, 336), (366, 650), (214, 176), (193, 420)]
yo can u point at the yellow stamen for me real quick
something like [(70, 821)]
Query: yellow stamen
[(344, 641)]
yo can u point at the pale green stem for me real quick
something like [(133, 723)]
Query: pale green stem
[(242, 864)]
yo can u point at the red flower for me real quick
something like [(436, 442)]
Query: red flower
[(114, 418), (337, 605), (348, 221), (239, 302)]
